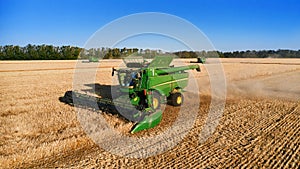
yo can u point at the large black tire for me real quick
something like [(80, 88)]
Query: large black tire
[(176, 99), (156, 100)]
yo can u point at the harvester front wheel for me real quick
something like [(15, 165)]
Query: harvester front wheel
[(176, 99), (155, 100)]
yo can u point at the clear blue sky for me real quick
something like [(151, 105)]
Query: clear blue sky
[(229, 24)]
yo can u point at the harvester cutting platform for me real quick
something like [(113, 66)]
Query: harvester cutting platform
[(143, 89)]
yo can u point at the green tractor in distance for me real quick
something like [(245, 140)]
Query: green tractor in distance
[(200, 60), (147, 86), (93, 59)]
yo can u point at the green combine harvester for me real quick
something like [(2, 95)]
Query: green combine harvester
[(200, 60), (144, 87), (93, 59)]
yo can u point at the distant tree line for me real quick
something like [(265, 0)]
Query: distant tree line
[(262, 54), (107, 53), (116, 53), (50, 52), (195, 54), (38, 52)]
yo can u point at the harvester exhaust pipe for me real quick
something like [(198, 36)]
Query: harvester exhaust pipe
[(113, 71)]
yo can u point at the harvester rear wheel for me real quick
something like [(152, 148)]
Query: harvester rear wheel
[(176, 99)]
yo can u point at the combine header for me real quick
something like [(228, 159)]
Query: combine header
[(144, 87)]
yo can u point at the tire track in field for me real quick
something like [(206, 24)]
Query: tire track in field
[(257, 138), (231, 148), (208, 151), (294, 158), (196, 151), (275, 149), (285, 130)]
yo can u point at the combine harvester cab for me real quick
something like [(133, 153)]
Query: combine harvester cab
[(151, 85)]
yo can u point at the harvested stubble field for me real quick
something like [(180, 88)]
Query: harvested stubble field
[(260, 126)]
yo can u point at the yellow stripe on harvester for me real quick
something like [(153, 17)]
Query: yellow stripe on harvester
[(170, 82)]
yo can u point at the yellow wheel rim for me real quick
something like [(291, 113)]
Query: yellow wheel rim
[(179, 100), (155, 103)]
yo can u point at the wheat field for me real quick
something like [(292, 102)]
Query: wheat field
[(259, 126)]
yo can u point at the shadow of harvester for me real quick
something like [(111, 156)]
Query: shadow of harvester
[(101, 97), (87, 101)]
